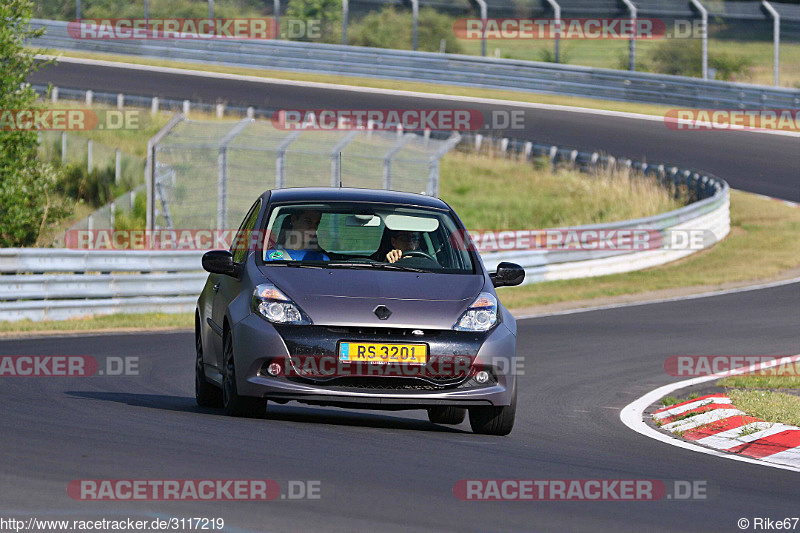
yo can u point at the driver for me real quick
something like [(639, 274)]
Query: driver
[(402, 241), (299, 241)]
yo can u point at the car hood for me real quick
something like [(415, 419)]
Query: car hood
[(335, 297)]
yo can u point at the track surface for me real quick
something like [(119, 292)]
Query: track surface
[(766, 164), (395, 472)]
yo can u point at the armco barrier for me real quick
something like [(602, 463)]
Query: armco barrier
[(103, 282), (455, 69)]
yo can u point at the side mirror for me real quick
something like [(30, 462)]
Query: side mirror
[(507, 275), (220, 262)]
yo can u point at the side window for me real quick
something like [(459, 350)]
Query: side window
[(241, 243)]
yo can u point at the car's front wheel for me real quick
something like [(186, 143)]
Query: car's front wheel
[(494, 420), (447, 415), (232, 402)]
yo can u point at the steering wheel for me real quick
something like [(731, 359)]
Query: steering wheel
[(418, 253)]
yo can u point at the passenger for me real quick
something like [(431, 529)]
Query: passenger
[(297, 240)]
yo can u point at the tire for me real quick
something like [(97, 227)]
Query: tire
[(232, 402), (494, 420), (205, 393), (447, 415)]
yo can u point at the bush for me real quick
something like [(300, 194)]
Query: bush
[(391, 28), (95, 188), (682, 57), (135, 219), (328, 12), (27, 198)]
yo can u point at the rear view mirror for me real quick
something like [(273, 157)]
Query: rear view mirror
[(220, 262), (507, 275)]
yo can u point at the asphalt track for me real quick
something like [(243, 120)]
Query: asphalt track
[(761, 163), (396, 471)]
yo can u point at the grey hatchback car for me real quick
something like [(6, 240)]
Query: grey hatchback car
[(356, 298)]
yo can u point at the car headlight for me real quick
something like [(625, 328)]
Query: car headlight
[(480, 316), (273, 305)]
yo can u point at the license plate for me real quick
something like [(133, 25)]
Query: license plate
[(380, 352)]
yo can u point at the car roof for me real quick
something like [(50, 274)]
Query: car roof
[(349, 194)]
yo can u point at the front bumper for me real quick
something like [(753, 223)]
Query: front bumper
[(258, 343)]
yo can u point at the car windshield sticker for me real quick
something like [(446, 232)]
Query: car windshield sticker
[(277, 254)]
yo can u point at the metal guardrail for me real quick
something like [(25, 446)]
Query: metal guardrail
[(504, 74)]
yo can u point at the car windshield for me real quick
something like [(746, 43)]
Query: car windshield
[(367, 236)]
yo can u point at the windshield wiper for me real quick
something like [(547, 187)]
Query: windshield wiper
[(379, 266), (295, 264)]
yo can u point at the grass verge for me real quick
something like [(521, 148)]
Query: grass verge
[(763, 243), (117, 322), (768, 405)]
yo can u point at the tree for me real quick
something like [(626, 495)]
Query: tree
[(27, 199), (327, 12)]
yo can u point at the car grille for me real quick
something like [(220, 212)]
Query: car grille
[(388, 384), (383, 332)]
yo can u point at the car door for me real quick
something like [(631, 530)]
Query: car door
[(226, 288)]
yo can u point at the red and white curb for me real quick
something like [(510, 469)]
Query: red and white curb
[(721, 412), (720, 425)]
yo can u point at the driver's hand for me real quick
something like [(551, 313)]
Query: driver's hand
[(393, 256)]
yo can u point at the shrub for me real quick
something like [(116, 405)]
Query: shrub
[(391, 28)]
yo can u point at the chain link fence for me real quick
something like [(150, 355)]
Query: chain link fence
[(206, 174)]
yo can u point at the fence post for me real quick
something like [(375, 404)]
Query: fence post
[(276, 8), (484, 15), (557, 17), (222, 172), (220, 110), (77, 9), (387, 159), (89, 97), (111, 214), (703, 33), (117, 166), (776, 39), (414, 23), (345, 19), (154, 106), (120, 101), (63, 147), (89, 146), (634, 15), (210, 9), (251, 113), (54, 95), (186, 106), (280, 159)]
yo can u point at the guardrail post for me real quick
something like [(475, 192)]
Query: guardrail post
[(54, 95), (186, 106), (154, 106), (120, 101), (703, 33), (220, 110), (557, 17), (528, 150), (776, 38), (63, 147), (552, 155), (345, 19), (251, 113), (89, 97)]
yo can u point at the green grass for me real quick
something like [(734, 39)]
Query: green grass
[(495, 193), (764, 242), (666, 401), (771, 406), (100, 323), (763, 380), (614, 54)]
